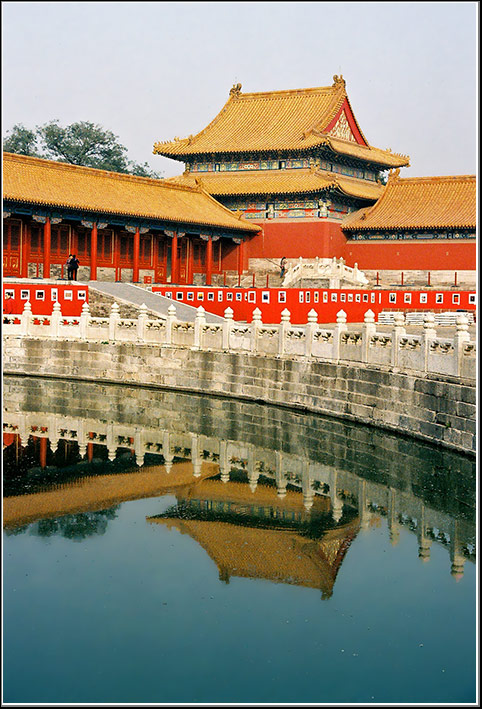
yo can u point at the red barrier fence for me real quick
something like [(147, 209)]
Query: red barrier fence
[(326, 302), (43, 296)]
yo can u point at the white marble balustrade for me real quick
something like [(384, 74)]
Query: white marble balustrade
[(423, 352)]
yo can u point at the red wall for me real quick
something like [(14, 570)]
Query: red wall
[(44, 306), (324, 239), (294, 239), (402, 255)]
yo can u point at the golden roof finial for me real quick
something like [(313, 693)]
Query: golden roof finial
[(235, 91), (339, 81)]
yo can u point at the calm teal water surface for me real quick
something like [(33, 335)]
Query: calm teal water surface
[(290, 570)]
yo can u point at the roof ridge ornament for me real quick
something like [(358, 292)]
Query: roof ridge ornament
[(236, 90), (393, 175), (339, 81)]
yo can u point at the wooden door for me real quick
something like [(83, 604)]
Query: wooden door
[(12, 230), (162, 260), (183, 247)]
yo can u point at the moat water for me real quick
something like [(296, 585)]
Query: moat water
[(169, 548)]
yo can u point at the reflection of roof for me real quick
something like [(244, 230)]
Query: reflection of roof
[(240, 492), (247, 550), (420, 202), (272, 182), (46, 182), (97, 492), (294, 120), (273, 554)]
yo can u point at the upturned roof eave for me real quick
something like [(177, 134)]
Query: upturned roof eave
[(322, 141), (350, 187)]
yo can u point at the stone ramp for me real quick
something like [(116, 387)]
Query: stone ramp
[(135, 295)]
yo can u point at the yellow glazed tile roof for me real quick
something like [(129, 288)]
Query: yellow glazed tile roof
[(294, 120), (420, 202), (56, 184), (272, 182)]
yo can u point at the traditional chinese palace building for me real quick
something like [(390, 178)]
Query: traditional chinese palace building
[(295, 162), (298, 164), (418, 222), (281, 173), (121, 227)]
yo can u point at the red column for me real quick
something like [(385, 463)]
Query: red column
[(25, 249), (93, 253), (174, 265), (135, 265), (43, 452), (47, 245), (209, 261), (240, 258), (117, 256), (190, 262)]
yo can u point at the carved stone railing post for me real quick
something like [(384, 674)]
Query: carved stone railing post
[(113, 321), (227, 325), (84, 321), (195, 454), (111, 442), (55, 319), (255, 325), (397, 333), (429, 335), (280, 479), (224, 465), (170, 320), (139, 447), (141, 323), (368, 330), (461, 337), (283, 329), (340, 328), (81, 439), (27, 319), (199, 324), (306, 487), (310, 329)]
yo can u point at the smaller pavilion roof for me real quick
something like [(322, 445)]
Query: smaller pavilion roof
[(56, 184), (277, 182), (419, 203)]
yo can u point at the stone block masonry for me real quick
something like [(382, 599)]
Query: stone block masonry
[(423, 405)]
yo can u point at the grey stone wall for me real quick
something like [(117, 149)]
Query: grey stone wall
[(436, 408)]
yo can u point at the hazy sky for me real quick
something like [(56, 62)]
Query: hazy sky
[(149, 71)]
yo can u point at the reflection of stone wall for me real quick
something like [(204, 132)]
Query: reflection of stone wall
[(440, 410), (336, 442), (430, 491)]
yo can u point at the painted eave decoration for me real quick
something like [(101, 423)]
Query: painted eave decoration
[(271, 182)]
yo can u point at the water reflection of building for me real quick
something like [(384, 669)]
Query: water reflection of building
[(258, 534), (430, 494)]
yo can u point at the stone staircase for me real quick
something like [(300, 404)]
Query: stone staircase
[(130, 297), (267, 271)]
